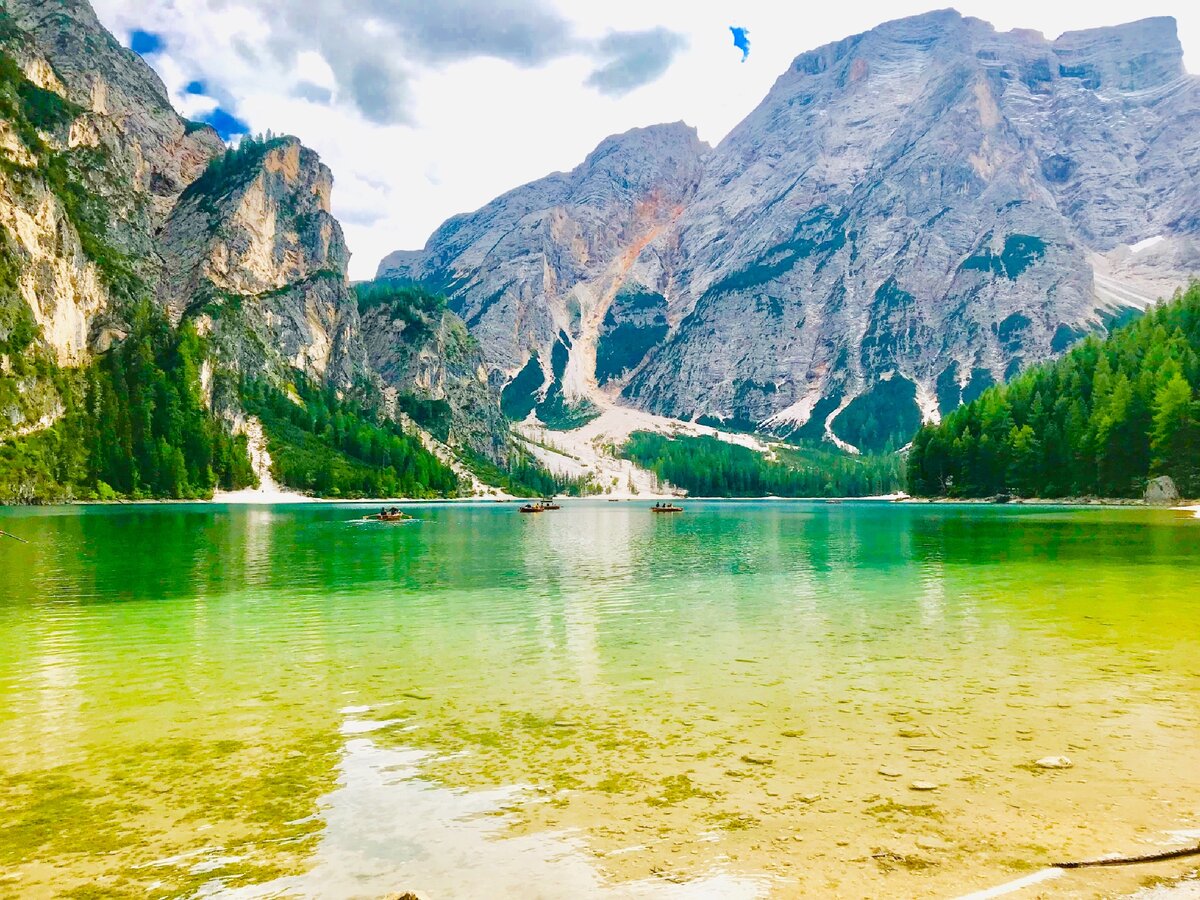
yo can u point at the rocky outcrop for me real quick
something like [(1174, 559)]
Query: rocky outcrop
[(910, 215), (1161, 491), (542, 267), (96, 177), (108, 197), (253, 253), (434, 372), (93, 157)]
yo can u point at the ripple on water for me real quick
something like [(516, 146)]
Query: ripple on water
[(712, 698)]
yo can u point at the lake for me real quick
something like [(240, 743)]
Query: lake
[(746, 699)]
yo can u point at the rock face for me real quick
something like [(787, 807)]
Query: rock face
[(252, 251), (570, 261), (428, 360), (910, 215), (1162, 491), (93, 181), (108, 197)]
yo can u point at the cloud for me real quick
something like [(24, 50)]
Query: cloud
[(381, 97), (375, 51), (524, 33), (741, 40), (313, 93), (634, 58)]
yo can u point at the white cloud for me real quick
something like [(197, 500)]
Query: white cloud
[(479, 107)]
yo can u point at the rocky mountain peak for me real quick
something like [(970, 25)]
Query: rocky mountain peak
[(909, 215), (252, 247), (538, 272), (1136, 56)]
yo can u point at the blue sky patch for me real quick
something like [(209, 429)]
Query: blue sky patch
[(741, 40), (197, 88), (228, 126), (145, 42)]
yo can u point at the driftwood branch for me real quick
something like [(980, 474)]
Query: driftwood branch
[(1131, 860)]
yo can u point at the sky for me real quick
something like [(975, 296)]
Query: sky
[(427, 109)]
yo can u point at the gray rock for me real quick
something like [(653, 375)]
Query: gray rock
[(276, 298), (570, 260), (432, 356), (1161, 491)]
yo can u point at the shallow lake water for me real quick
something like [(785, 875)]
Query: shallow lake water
[(747, 699)]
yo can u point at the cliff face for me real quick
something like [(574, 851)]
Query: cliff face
[(542, 267), (433, 370), (252, 252), (910, 215), (96, 158), (108, 198)]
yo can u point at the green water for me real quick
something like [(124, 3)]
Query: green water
[(734, 701)]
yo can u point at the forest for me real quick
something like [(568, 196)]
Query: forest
[(134, 425), (709, 467), (1100, 421), (334, 448)]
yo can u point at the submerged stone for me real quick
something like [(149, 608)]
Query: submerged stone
[(1054, 762)]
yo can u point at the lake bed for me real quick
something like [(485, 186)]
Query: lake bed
[(747, 699)]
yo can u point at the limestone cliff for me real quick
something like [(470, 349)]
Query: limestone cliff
[(109, 199), (92, 156), (910, 215), (433, 369), (95, 159), (253, 253), (552, 269)]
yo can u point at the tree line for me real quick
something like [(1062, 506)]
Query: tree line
[(134, 424), (710, 467), (329, 446), (1100, 421)]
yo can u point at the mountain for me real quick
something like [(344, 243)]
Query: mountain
[(253, 254), (566, 276), (161, 295), (910, 215)]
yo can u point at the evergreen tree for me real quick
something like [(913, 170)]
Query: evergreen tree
[(1099, 421), (1175, 440)]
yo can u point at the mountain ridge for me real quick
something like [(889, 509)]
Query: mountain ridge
[(909, 215)]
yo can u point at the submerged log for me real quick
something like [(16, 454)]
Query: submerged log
[(1178, 853)]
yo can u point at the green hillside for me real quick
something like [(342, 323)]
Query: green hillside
[(1098, 422)]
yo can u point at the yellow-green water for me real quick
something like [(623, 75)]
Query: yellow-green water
[(732, 702)]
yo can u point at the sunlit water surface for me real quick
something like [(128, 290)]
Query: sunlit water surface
[(732, 702)]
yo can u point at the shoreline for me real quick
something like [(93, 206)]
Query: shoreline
[(253, 497)]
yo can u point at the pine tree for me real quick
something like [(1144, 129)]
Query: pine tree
[(1175, 439)]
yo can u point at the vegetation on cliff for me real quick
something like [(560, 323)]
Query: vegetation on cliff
[(134, 424), (1099, 421), (709, 467), (331, 447)]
